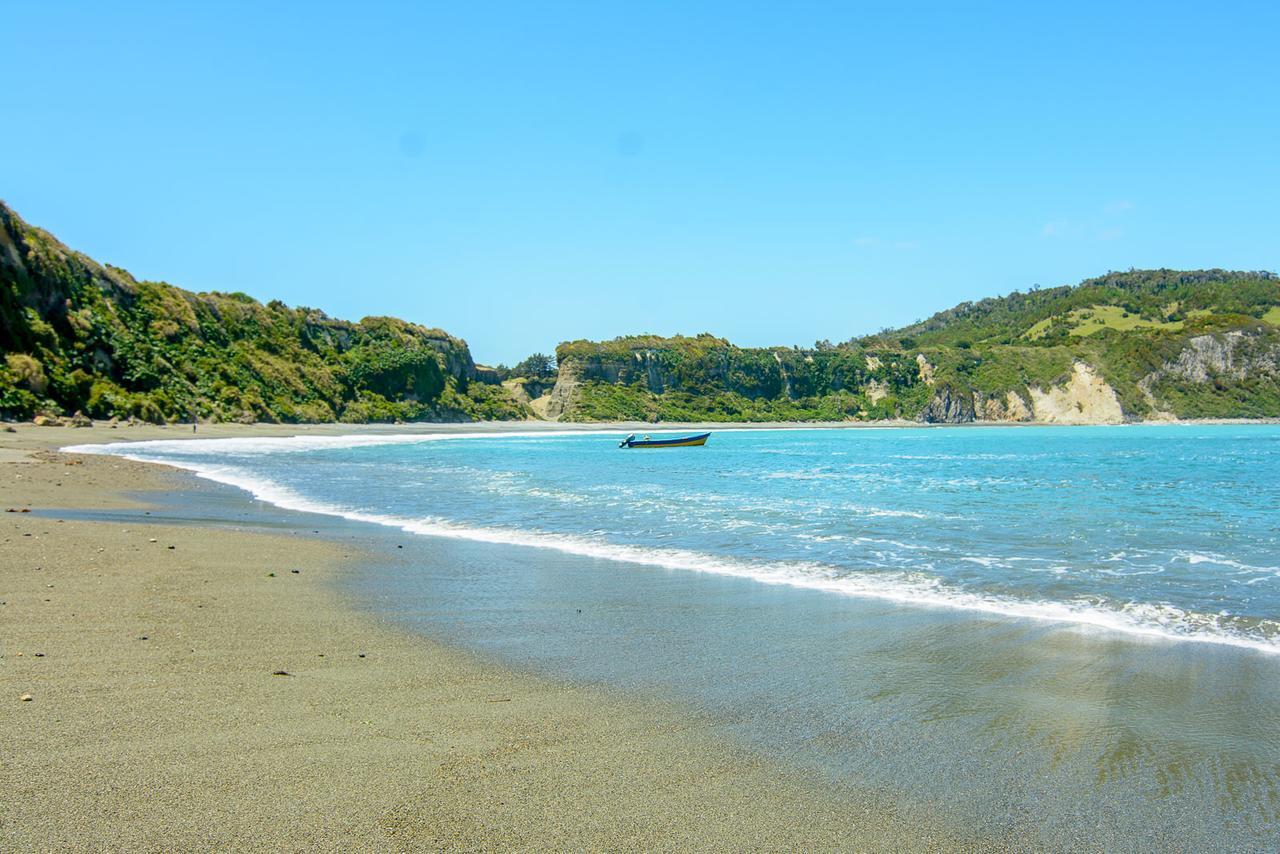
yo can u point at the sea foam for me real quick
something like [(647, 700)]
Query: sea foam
[(1139, 619)]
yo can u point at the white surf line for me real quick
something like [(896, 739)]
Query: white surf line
[(899, 591), (286, 444)]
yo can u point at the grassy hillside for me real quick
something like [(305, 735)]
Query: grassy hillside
[(76, 335), (1188, 344)]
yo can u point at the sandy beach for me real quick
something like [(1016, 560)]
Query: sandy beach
[(209, 688)]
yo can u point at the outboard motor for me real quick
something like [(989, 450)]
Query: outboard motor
[(627, 441)]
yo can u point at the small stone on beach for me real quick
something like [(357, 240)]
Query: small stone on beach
[(26, 698), (295, 571), (281, 673)]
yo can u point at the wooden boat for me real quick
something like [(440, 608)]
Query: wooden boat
[(675, 442)]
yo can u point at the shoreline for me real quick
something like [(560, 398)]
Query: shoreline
[(56, 437), (227, 429), (1048, 613), (376, 738), (930, 598)]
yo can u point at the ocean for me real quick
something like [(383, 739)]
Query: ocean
[(1069, 631)]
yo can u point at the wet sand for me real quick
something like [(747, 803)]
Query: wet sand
[(157, 720)]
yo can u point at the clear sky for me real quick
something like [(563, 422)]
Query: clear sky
[(529, 172)]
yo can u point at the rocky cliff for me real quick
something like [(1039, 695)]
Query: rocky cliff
[(79, 336), (1145, 344)]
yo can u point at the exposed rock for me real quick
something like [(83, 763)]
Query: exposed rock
[(1205, 356), (873, 362), (1009, 407), (26, 698), (926, 369), (876, 391), (1017, 409), (518, 391), (46, 421), (79, 420), (533, 393), (487, 375), (564, 392), (1085, 399), (948, 407), (1233, 355)]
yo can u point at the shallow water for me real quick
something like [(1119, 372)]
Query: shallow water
[(1067, 631)]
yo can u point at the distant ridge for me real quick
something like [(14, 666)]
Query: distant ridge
[(79, 336), (1144, 344)]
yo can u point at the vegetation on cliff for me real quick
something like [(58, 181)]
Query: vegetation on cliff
[(1188, 344), (80, 336), (76, 335)]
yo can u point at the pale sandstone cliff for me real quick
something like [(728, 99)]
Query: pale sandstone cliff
[(1085, 399)]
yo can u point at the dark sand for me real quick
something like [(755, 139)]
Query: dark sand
[(376, 739)]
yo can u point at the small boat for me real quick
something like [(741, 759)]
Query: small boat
[(676, 442)]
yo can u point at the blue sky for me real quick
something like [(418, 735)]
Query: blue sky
[(525, 173)]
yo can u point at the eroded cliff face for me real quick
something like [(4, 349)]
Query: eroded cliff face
[(553, 406), (948, 406), (1230, 373), (1235, 355), (1007, 407), (1226, 374), (1086, 398)]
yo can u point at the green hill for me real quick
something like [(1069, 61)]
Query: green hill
[(76, 335), (1126, 346)]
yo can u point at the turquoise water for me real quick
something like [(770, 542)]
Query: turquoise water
[(1067, 636), (1166, 531)]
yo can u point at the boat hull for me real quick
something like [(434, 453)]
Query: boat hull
[(678, 442)]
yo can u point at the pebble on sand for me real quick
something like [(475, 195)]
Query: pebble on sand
[(281, 673), (26, 698)]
